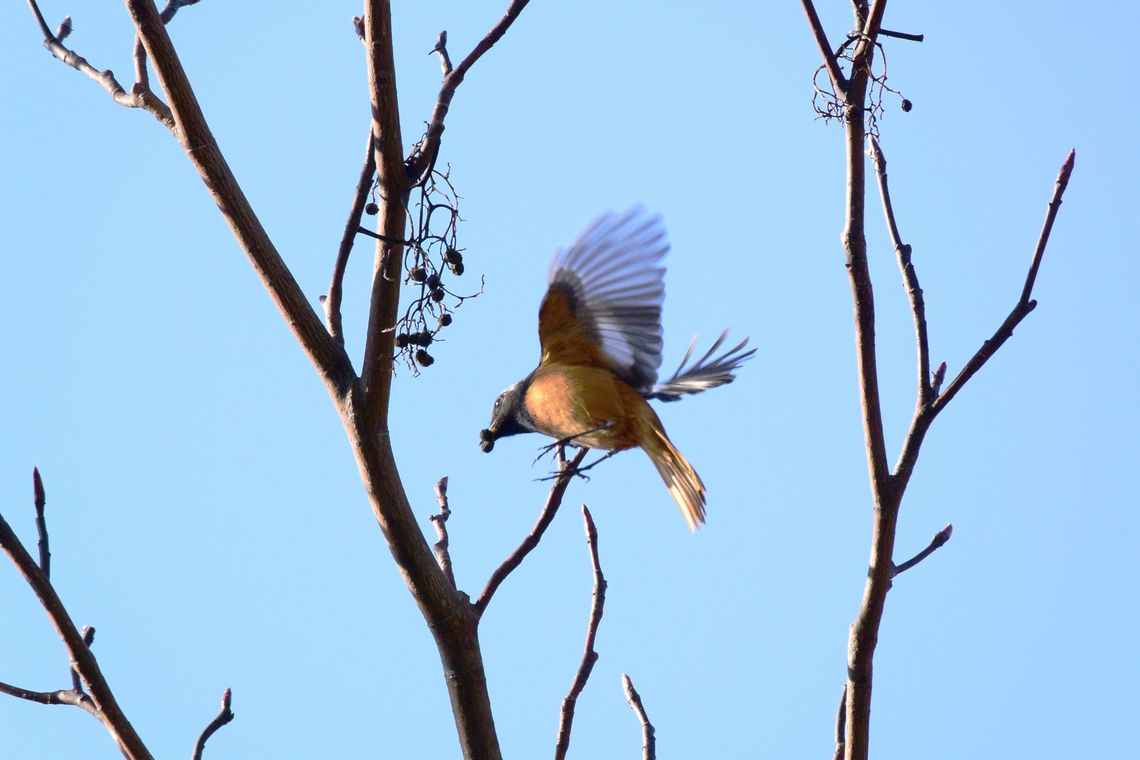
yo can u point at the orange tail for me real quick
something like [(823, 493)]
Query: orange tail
[(679, 476)]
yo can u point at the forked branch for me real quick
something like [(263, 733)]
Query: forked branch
[(99, 701), (140, 95)]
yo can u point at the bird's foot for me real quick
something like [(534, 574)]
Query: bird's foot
[(577, 471)]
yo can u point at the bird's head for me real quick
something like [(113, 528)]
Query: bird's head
[(507, 417)]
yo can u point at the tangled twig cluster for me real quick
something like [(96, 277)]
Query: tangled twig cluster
[(829, 104)]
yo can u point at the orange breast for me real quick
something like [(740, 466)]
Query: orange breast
[(570, 400)]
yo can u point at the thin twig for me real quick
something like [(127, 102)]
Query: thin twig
[(590, 655), (422, 164), (108, 712), (351, 227), (440, 49), (924, 417), (841, 726), (838, 81), (910, 278), (901, 35), (40, 499), (648, 736), (60, 697), (1025, 304), (553, 501), (172, 7), (936, 543), (140, 96), (88, 640), (224, 716), (439, 520)]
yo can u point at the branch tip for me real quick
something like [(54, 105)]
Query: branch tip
[(648, 735)]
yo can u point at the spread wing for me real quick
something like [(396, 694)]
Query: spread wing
[(603, 305)]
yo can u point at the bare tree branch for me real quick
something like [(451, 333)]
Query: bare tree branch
[(936, 543), (422, 163), (40, 499), (440, 521), (387, 270), (440, 49), (224, 716), (924, 415), (359, 199), (196, 138), (648, 736), (887, 487), (841, 726), (60, 697), (103, 704), (140, 95), (901, 35), (590, 655), (1026, 303), (910, 279), (566, 473), (838, 80), (77, 680)]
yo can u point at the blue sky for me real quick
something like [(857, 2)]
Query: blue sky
[(206, 515)]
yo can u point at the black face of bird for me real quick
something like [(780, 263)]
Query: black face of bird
[(504, 418)]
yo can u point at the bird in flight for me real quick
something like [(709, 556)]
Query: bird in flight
[(599, 328)]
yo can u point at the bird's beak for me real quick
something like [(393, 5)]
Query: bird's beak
[(486, 440)]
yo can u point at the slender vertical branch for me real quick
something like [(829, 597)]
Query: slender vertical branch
[(439, 520), (910, 279), (865, 629), (387, 271), (590, 655), (348, 237), (40, 499)]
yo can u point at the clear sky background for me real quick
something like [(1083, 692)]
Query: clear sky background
[(206, 515)]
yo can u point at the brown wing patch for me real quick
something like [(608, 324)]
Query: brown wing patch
[(564, 335)]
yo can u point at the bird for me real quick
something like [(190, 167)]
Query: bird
[(600, 333)]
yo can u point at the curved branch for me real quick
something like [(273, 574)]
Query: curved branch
[(224, 716), (566, 473)]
